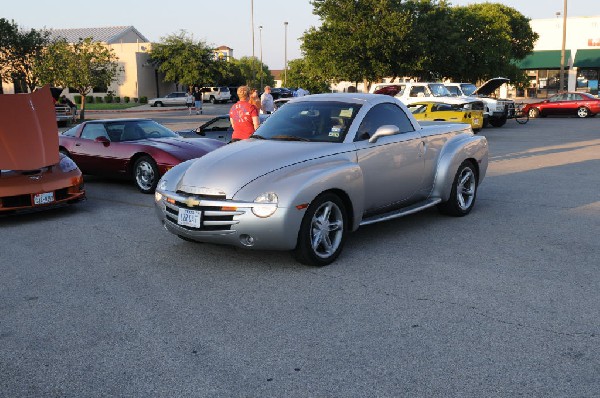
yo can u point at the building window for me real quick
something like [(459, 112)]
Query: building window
[(587, 80)]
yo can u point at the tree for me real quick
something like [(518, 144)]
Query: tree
[(20, 54), (300, 74), (489, 37), (82, 66), (250, 70), (184, 61)]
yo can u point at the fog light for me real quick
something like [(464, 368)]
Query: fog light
[(247, 240)]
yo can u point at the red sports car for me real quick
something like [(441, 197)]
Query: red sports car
[(580, 104), (141, 149), (33, 175)]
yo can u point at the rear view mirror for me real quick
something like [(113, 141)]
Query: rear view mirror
[(105, 141)]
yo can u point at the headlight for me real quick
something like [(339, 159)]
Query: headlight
[(66, 164), (267, 205), (162, 184)]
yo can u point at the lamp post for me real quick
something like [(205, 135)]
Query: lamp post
[(252, 27), (261, 62), (285, 24), (562, 51)]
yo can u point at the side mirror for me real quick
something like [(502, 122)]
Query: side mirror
[(384, 131), (199, 131), (105, 141)]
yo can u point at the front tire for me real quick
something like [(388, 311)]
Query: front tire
[(322, 232), (534, 112), (498, 122), (158, 104), (212, 100), (464, 191), (583, 112), (145, 174)]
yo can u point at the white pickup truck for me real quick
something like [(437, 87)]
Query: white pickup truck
[(496, 110)]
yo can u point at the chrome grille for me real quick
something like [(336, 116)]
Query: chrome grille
[(213, 218)]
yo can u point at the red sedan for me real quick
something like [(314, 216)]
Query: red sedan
[(580, 104), (136, 148)]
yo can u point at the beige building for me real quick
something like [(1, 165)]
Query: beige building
[(136, 78)]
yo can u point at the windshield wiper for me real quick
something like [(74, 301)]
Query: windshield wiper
[(258, 136), (290, 138)]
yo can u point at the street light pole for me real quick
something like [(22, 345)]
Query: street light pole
[(252, 23), (261, 62), (285, 24), (562, 51)]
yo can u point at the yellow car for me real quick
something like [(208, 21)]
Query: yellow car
[(449, 112)]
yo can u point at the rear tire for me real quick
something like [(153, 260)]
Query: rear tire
[(464, 191), (583, 112), (322, 232), (158, 104)]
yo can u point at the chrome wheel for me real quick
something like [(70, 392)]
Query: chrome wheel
[(323, 231), (583, 112), (146, 174), (326, 229), (465, 191)]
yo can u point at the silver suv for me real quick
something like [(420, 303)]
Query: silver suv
[(216, 94)]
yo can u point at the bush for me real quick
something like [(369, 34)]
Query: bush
[(126, 99), (117, 100), (143, 100), (135, 99), (89, 99), (108, 99), (99, 100), (77, 99)]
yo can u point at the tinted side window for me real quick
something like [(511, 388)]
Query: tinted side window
[(93, 130), (381, 115)]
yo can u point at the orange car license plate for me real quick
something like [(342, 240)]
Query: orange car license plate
[(43, 198)]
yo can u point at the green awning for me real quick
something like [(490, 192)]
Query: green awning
[(549, 59), (587, 58)]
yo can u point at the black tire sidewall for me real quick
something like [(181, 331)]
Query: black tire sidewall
[(303, 251), (451, 206), (152, 163)]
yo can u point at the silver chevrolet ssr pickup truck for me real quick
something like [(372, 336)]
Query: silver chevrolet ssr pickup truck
[(318, 168)]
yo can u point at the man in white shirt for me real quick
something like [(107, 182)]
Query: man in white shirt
[(266, 101), (300, 92)]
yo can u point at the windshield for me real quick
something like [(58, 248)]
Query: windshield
[(439, 90), (322, 121), (468, 89)]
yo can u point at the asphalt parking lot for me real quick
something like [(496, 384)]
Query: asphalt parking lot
[(98, 300)]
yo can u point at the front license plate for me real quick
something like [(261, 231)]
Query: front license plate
[(189, 218), (43, 198)]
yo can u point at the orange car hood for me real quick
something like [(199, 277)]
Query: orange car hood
[(28, 131)]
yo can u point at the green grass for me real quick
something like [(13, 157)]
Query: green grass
[(112, 106)]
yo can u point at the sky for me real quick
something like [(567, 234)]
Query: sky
[(226, 22)]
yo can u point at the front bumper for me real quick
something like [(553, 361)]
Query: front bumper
[(230, 222)]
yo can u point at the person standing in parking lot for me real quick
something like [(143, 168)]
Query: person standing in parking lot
[(243, 116), (266, 100), (189, 101), (254, 100), (198, 100)]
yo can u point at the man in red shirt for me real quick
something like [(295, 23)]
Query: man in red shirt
[(243, 116)]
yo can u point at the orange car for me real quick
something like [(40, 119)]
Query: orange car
[(33, 175)]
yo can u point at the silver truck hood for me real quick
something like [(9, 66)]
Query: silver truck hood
[(229, 168)]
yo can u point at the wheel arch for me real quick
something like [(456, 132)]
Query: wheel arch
[(134, 159), (454, 154)]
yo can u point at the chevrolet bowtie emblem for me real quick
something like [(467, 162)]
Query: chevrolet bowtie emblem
[(191, 202)]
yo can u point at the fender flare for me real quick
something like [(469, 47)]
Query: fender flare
[(456, 151)]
